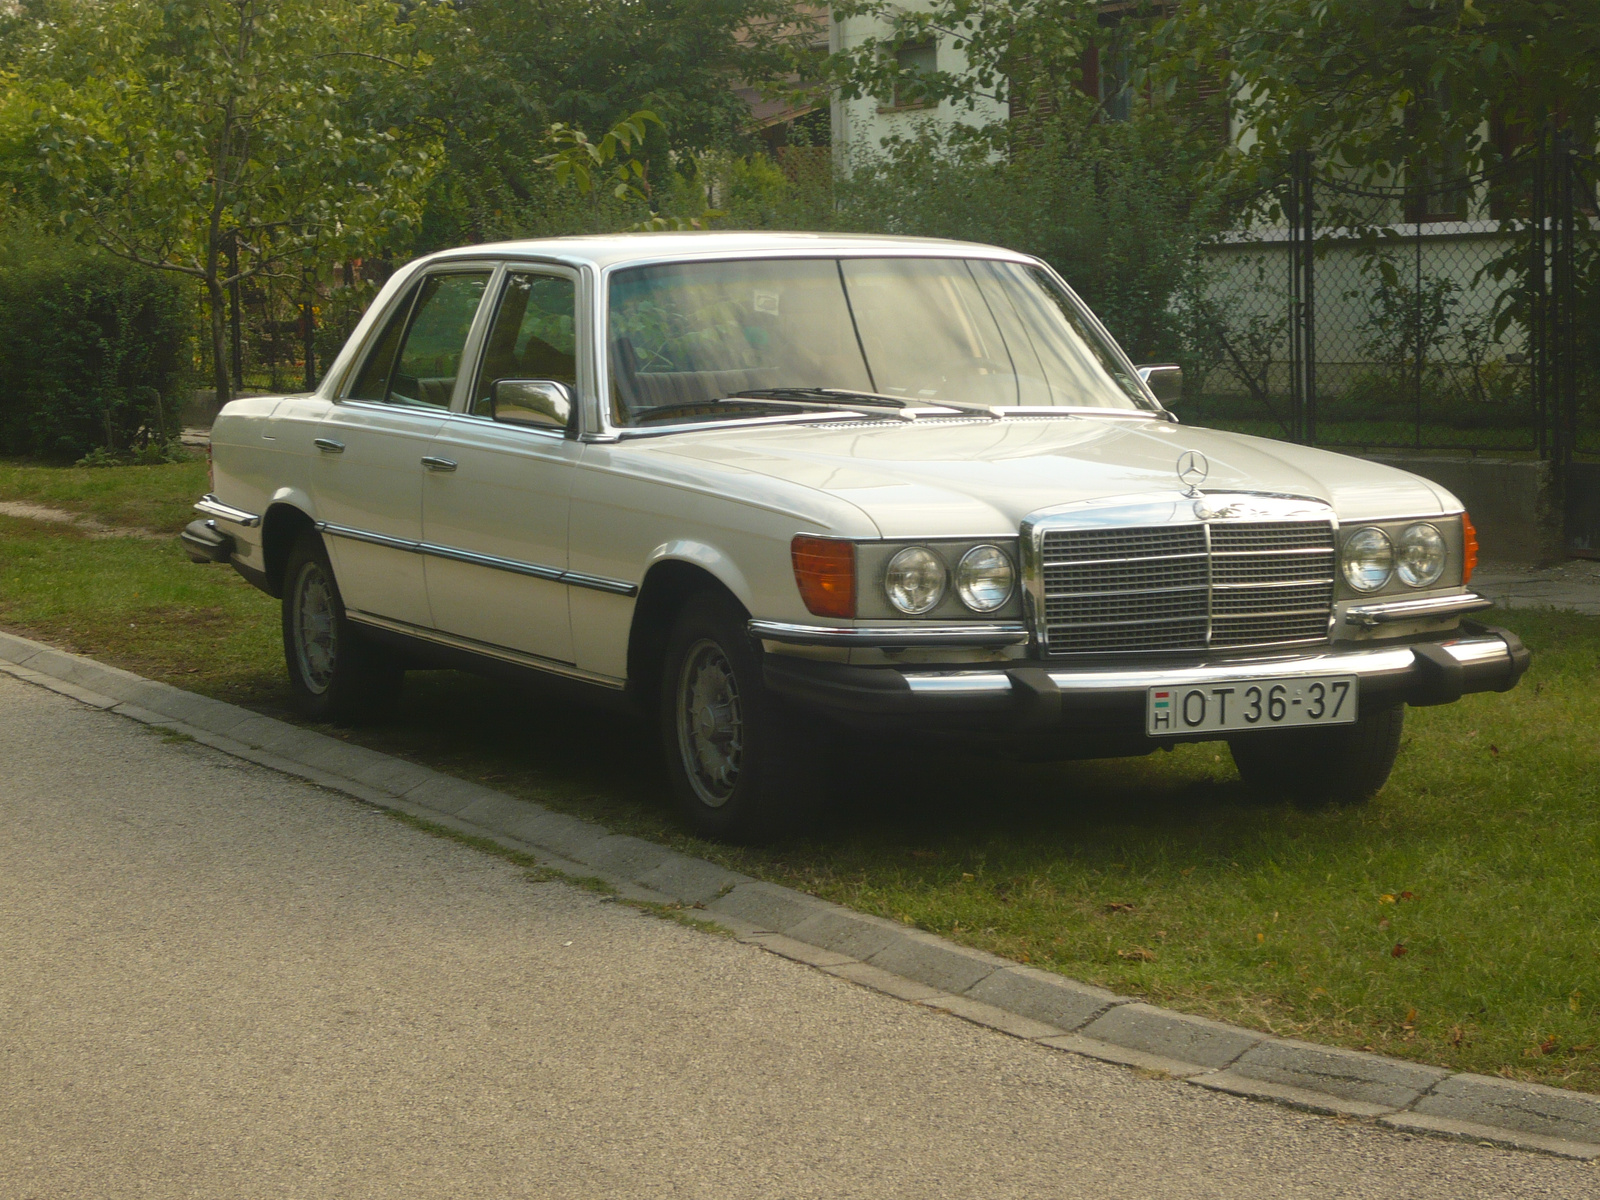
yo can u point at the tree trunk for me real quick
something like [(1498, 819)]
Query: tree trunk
[(217, 299)]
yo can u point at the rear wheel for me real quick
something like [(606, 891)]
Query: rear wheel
[(1345, 764), (733, 749), (334, 673)]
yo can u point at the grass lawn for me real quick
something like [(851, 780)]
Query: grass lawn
[(1455, 920)]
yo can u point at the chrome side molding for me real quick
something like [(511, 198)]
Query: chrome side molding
[(598, 583)]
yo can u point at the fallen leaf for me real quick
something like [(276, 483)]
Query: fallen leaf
[(1386, 898), (1408, 895), (1117, 906), (1457, 1035), (1411, 1017), (1494, 751), (1584, 1048), (968, 876), (1261, 937), (1137, 954), (1383, 924), (1399, 950)]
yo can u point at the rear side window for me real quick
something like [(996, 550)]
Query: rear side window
[(422, 371)]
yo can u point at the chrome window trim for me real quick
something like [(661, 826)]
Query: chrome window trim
[(992, 633), (488, 649), (1372, 615), (598, 583), (208, 505)]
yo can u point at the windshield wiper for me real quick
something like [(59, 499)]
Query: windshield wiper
[(846, 398)]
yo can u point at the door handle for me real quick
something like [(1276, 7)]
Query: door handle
[(438, 464), (328, 445)]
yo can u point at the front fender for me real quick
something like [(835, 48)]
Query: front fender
[(709, 558)]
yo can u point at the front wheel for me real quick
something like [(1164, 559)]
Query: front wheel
[(1315, 768), (732, 748), (334, 673)]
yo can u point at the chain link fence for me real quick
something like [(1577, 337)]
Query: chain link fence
[(1454, 315)]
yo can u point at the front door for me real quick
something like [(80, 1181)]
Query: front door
[(495, 521), (369, 470)]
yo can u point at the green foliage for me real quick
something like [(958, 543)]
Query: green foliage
[(225, 139), (503, 73), (1097, 202), (1373, 86), (91, 351), (1012, 48)]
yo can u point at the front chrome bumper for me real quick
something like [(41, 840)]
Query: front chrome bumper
[(1034, 695)]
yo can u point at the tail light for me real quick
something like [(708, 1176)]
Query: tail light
[(825, 572)]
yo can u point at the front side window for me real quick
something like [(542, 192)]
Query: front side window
[(684, 339), (534, 335), (422, 372)]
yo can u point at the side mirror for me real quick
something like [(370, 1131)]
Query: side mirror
[(1165, 380), (536, 403)]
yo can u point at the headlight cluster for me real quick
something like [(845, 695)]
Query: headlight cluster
[(1370, 559), (917, 579)]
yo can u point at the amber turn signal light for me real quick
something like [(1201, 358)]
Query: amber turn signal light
[(1469, 547), (825, 572)]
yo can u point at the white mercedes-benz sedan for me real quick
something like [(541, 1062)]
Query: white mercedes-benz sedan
[(763, 486)]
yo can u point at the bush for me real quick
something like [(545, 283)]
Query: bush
[(92, 350)]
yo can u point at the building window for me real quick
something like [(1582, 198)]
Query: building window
[(913, 60)]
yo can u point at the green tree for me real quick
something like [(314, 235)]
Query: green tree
[(507, 70), (226, 139), (1375, 86)]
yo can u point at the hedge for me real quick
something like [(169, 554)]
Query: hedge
[(92, 349)]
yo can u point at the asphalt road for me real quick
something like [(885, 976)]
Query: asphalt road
[(219, 982)]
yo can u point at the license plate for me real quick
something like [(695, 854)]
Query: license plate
[(1250, 704)]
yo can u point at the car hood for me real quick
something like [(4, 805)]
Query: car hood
[(961, 477)]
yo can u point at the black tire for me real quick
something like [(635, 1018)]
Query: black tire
[(334, 673), (738, 757), (1315, 768)]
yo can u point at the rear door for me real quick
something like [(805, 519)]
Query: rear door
[(495, 521), (369, 471)]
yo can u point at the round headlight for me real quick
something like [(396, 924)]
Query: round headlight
[(1368, 559), (1421, 555), (984, 578), (915, 580)]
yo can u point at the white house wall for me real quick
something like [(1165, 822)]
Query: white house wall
[(861, 126)]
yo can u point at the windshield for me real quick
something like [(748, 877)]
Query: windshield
[(684, 336)]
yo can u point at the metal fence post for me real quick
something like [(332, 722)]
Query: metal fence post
[(1302, 298)]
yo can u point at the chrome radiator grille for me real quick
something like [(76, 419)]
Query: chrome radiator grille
[(1222, 585)]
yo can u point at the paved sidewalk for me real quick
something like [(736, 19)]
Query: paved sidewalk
[(222, 982), (1574, 584)]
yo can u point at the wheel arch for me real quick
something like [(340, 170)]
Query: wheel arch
[(281, 525), (667, 586)]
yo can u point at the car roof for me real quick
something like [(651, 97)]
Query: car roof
[(618, 249)]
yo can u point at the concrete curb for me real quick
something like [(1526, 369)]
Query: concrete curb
[(1049, 1010)]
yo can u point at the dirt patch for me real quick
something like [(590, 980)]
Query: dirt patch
[(60, 516)]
